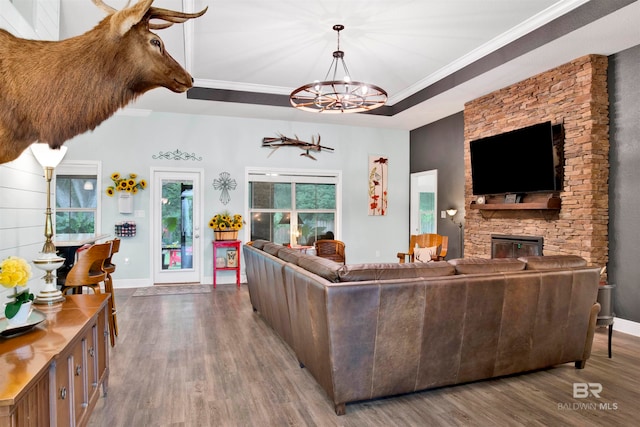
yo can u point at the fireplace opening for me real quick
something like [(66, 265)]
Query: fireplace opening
[(515, 246)]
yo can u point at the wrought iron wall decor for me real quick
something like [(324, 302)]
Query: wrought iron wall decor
[(283, 141), (176, 155), (224, 183)]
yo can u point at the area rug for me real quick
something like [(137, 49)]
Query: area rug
[(156, 290)]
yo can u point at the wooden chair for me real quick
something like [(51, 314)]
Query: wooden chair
[(88, 269), (109, 268), (426, 241), (332, 249)]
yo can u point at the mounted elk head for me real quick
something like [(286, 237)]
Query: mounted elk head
[(53, 91)]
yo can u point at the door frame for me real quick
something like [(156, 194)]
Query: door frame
[(155, 244), (414, 220)]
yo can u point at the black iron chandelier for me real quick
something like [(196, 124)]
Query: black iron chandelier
[(338, 96)]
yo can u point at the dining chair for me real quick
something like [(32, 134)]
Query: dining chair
[(109, 268), (88, 269)]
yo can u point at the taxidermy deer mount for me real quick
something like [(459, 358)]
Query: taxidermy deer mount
[(53, 91), (283, 141)]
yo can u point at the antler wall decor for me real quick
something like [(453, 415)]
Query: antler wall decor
[(283, 141)]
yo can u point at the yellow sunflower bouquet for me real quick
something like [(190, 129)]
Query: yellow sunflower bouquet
[(130, 184), (226, 222)]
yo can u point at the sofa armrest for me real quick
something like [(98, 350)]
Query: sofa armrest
[(595, 309)]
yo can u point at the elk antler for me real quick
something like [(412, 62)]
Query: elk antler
[(107, 8), (171, 16)]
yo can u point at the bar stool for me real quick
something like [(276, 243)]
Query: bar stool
[(109, 268), (88, 269)]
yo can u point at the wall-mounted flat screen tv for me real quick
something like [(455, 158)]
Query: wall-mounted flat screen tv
[(524, 160)]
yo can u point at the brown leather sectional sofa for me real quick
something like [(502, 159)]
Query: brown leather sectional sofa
[(371, 330)]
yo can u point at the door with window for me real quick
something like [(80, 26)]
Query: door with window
[(424, 196), (177, 247)]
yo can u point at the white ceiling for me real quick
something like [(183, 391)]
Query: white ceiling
[(406, 47)]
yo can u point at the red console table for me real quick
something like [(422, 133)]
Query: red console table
[(226, 244)]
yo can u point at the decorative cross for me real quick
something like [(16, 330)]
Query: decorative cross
[(225, 183)]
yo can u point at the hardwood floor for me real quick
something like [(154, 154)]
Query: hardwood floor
[(208, 360)]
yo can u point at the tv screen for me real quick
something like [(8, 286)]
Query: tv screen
[(521, 161)]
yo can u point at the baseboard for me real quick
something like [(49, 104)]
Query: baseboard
[(142, 283), (131, 283), (626, 326), (225, 280)]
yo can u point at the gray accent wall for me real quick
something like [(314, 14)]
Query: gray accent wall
[(440, 145), (624, 179)]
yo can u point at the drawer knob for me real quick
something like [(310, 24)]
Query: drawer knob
[(78, 370), (63, 393)]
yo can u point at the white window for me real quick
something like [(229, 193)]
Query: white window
[(293, 207), (77, 197)]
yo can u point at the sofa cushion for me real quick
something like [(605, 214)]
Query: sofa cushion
[(272, 248), (289, 255), (323, 267), (383, 271), (483, 265), (550, 262), (259, 243)]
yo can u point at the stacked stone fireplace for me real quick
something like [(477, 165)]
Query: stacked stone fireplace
[(574, 95)]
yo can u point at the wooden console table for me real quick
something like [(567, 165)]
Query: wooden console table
[(51, 375)]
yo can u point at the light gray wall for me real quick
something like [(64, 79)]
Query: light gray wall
[(624, 178), (126, 144), (440, 145)]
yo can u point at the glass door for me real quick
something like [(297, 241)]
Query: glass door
[(177, 243), (424, 196)]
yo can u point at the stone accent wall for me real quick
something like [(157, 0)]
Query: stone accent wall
[(574, 94)]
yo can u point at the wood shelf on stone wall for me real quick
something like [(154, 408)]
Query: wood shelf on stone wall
[(547, 204)]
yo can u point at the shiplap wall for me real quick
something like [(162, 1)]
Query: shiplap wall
[(23, 196)]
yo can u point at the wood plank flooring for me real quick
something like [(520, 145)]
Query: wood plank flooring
[(209, 360)]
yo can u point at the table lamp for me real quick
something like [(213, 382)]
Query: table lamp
[(49, 260)]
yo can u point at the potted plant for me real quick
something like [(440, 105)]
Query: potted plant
[(16, 272), (225, 225)]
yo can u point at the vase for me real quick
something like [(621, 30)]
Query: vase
[(226, 235), (21, 316), (125, 203)]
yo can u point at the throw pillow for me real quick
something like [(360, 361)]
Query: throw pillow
[(425, 254)]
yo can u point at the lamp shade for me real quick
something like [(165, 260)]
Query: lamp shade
[(452, 212), (46, 156)]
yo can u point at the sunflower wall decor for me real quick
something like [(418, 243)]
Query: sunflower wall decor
[(129, 185)]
